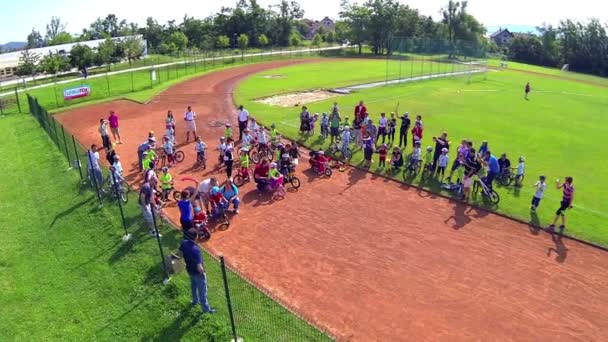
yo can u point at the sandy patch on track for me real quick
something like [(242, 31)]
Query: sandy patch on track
[(274, 76), (297, 99)]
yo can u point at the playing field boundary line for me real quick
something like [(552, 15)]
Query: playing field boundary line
[(158, 66)]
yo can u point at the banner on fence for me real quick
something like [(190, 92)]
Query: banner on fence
[(75, 93)]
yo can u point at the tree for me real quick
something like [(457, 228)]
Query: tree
[(263, 40), (526, 48), (550, 44), (61, 38), (357, 19), (106, 52), (316, 40), (243, 43), (133, 48), (196, 30), (54, 63), (81, 56), (153, 33), (179, 39), (34, 40), (53, 28), (284, 22), (222, 42), (295, 40), (452, 19), (28, 63), (330, 37)]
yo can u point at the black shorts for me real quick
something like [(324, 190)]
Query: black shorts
[(367, 152), (186, 224), (564, 205), (334, 131), (106, 141)]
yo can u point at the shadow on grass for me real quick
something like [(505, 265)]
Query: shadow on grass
[(70, 210)]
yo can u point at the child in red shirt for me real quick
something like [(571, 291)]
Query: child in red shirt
[(382, 151), (321, 160), (417, 133)]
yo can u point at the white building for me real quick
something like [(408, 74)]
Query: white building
[(10, 60)]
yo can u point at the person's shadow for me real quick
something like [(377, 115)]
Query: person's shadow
[(561, 251), (534, 223), (460, 217)]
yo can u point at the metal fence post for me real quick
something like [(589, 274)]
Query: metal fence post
[(17, 98), (108, 80), (160, 247), (132, 87), (127, 236), (77, 160), (228, 301), (67, 153), (93, 176)]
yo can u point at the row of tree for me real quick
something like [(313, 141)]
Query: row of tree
[(583, 46)]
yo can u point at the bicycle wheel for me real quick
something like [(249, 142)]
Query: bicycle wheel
[(295, 182), (280, 191), (179, 156), (493, 196), (123, 195), (255, 157), (238, 180), (177, 195), (328, 171)]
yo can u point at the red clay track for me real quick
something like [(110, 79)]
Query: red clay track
[(373, 260)]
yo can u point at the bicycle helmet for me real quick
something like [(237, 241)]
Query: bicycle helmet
[(152, 139), (215, 190), (227, 125), (165, 169), (285, 156), (346, 127), (273, 165), (321, 152), (222, 138), (429, 149), (273, 126), (444, 149), (521, 159)]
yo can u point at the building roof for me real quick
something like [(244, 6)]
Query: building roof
[(499, 32)]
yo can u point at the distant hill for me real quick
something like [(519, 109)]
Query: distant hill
[(10, 46)]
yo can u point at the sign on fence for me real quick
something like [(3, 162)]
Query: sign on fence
[(78, 92)]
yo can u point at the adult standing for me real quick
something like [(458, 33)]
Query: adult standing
[(170, 122), (440, 143), (405, 126), (204, 190), (194, 266), (493, 168), (360, 111), (146, 205), (260, 175), (304, 121), (105, 136), (527, 89), (334, 124), (231, 194), (243, 117), (566, 203), (229, 159), (189, 117), (94, 166), (113, 119), (186, 211)]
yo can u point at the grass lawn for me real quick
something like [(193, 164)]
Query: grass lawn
[(556, 130), (65, 273), (552, 71)]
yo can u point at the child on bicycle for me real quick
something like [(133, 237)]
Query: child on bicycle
[(166, 183), (170, 132), (217, 199), (416, 156), (262, 139), (228, 131), (519, 176), (248, 140), (244, 161), (324, 126), (276, 178), (169, 150), (199, 219), (382, 152), (321, 161), (443, 162), (222, 149), (200, 148), (294, 153), (285, 165), (505, 165), (253, 126)]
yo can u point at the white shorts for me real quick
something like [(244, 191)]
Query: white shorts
[(191, 125)]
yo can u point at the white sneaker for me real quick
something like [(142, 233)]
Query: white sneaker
[(236, 211)]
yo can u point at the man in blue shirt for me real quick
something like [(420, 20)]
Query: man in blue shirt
[(194, 266), (493, 168)]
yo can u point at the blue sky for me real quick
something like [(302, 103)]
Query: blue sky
[(18, 17)]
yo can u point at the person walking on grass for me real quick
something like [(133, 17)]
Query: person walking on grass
[(194, 266), (334, 124), (527, 89), (540, 187), (189, 117), (113, 119), (566, 203), (243, 117), (405, 126), (94, 167)]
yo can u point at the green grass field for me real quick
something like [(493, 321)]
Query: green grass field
[(556, 130), (65, 273), (552, 71)]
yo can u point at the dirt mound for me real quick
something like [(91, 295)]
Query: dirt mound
[(299, 98)]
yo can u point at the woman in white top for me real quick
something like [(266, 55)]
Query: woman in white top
[(189, 117)]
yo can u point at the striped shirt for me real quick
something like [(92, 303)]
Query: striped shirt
[(568, 191), (189, 116)]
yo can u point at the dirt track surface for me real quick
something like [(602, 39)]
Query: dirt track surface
[(369, 259)]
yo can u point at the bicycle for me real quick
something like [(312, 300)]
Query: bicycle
[(110, 189), (340, 152), (261, 152), (178, 157), (507, 177), (315, 168), (486, 191), (241, 178), (290, 176), (413, 168)]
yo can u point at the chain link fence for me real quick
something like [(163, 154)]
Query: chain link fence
[(245, 310)]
